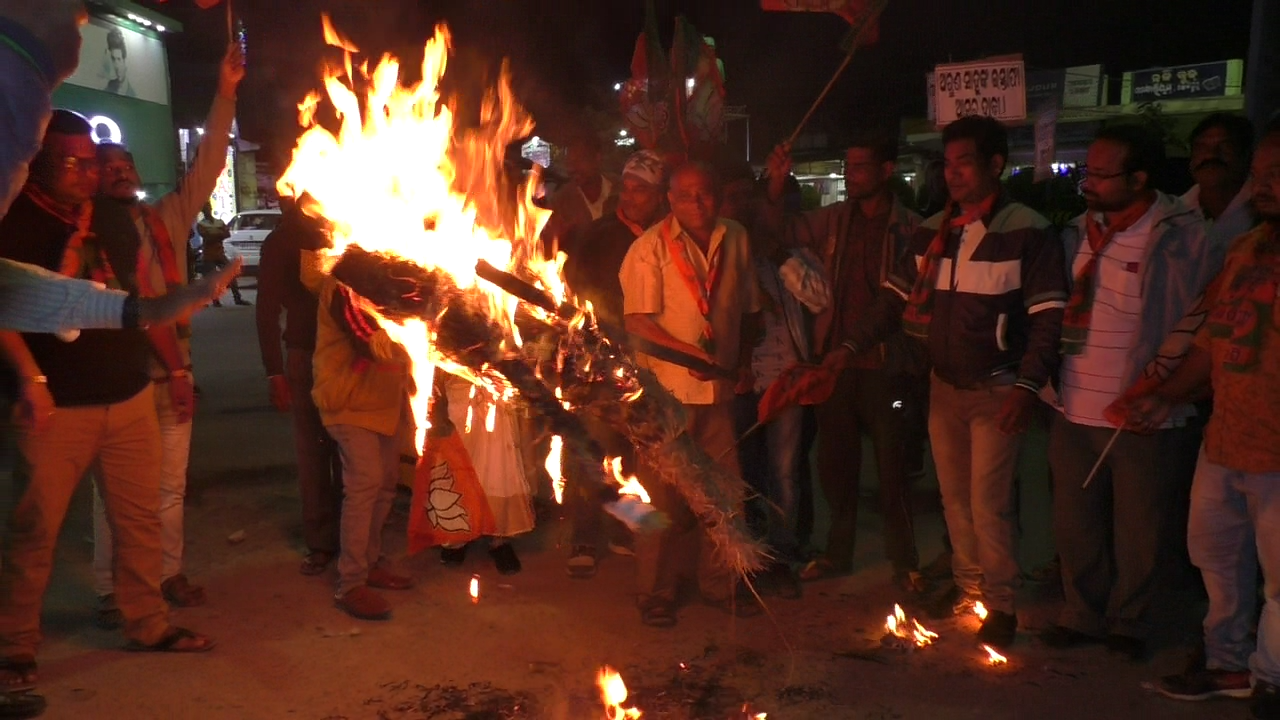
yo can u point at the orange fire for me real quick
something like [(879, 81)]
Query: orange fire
[(627, 485), (614, 693), (980, 610), (897, 625), (398, 177), (993, 657), (474, 589), (554, 468)]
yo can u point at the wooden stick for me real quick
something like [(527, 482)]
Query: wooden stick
[(1098, 465), (848, 58)]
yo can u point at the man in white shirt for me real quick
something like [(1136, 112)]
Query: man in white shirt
[(1140, 259)]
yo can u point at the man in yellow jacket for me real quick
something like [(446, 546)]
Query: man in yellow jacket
[(361, 390)]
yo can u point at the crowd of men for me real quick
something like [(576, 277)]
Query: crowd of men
[(1145, 333)]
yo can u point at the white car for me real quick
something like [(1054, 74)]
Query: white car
[(248, 230)]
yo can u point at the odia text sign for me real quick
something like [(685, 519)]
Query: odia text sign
[(994, 88)]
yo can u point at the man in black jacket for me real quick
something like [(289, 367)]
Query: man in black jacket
[(984, 287)]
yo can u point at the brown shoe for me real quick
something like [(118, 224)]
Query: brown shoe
[(180, 592), (363, 603), (384, 579)]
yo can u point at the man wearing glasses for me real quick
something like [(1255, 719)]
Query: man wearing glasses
[(1141, 258)]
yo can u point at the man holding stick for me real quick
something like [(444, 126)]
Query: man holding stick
[(984, 286), (1140, 260), (1235, 498), (688, 284)]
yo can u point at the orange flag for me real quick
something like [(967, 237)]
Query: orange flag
[(851, 10)]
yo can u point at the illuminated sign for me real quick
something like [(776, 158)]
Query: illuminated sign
[(992, 88), (106, 130)]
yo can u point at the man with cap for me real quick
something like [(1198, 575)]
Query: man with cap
[(592, 273), (92, 402)]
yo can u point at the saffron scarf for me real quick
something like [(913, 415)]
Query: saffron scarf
[(919, 311), (1079, 312), (701, 290), (1243, 314)]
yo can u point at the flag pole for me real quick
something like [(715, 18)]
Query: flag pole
[(867, 21)]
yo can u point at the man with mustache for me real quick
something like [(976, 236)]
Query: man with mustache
[(157, 237), (1141, 258), (1235, 500), (1221, 147)]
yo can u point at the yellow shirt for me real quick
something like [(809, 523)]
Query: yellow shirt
[(652, 285), (1242, 332)]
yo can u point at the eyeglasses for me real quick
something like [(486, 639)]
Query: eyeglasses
[(78, 164), (1088, 174)]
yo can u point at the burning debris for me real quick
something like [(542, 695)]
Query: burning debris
[(905, 633), (424, 223), (614, 692), (993, 657)]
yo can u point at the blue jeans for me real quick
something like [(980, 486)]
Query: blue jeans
[(1234, 526), (770, 459)]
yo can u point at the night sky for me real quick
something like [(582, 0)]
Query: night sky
[(567, 54)]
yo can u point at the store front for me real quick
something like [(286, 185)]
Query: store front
[(122, 86)]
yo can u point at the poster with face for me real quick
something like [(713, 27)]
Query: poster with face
[(123, 62)]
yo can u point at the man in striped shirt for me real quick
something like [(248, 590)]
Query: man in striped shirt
[(984, 287), (1141, 258)]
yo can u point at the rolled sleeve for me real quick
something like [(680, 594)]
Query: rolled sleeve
[(641, 278), (35, 300)]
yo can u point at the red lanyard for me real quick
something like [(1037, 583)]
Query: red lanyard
[(679, 250)]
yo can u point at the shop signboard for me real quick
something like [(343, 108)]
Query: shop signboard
[(122, 61), (994, 88), (1183, 82)]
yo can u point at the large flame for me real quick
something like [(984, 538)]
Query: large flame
[(614, 693), (399, 177)]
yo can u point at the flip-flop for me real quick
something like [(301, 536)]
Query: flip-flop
[(172, 643), (18, 674)]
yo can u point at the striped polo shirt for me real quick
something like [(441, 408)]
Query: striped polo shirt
[(1094, 379)]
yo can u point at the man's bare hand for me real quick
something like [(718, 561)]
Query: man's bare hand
[(231, 71), (35, 406), (1147, 413), (1015, 414), (181, 303), (182, 393), (779, 167), (278, 390)]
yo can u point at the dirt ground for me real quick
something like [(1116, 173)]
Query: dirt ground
[(531, 646)]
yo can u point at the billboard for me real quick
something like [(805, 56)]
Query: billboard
[(122, 61), (995, 88), (1180, 82)]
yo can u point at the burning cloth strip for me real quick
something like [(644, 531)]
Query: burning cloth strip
[(443, 252)]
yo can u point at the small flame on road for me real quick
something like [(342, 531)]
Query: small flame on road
[(554, 470), (614, 692), (475, 589), (980, 610), (993, 657), (897, 625)]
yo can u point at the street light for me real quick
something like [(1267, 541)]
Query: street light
[(617, 87), (622, 132)]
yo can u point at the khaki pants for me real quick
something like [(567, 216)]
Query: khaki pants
[(125, 440), (662, 559)]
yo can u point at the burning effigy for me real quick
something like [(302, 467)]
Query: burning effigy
[(442, 249)]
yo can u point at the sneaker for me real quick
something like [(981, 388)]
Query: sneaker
[(1205, 684), (1265, 704), (999, 629), (363, 603), (582, 562)]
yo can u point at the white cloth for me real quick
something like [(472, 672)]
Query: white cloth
[(1094, 379), (494, 455), (597, 208)]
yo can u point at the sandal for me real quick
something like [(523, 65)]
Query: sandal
[(18, 674), (658, 613), (176, 640), (181, 593), (817, 569), (108, 615), (315, 562)]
